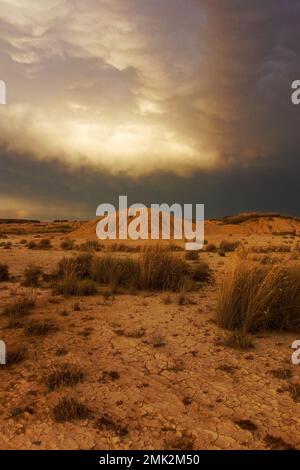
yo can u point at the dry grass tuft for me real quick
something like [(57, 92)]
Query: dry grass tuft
[(201, 272), (226, 246), (70, 409), (294, 390), (191, 255), (162, 270), (239, 340), (15, 356), (67, 244), (257, 298), (19, 309), (32, 276), (66, 375), (117, 272), (40, 328), (4, 273)]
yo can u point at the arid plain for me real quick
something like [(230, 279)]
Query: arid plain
[(107, 349)]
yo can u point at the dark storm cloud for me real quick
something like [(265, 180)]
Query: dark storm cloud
[(128, 96), (51, 190)]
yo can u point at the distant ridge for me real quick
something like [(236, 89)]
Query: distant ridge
[(19, 221), (252, 216), (244, 224)]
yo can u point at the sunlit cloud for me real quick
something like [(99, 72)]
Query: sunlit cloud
[(138, 87)]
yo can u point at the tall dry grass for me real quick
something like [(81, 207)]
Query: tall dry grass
[(162, 270), (254, 298), (155, 269)]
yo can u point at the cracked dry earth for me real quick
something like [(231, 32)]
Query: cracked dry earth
[(156, 375)]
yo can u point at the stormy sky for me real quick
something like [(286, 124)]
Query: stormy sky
[(162, 100)]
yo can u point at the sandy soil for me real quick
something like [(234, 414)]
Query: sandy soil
[(156, 374)]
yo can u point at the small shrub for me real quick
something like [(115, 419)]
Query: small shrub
[(66, 375), (32, 245), (118, 272), (20, 308), (91, 245), (40, 328), (15, 356), (161, 270), (44, 244), (69, 409), (4, 273), (201, 272), (227, 246), (67, 244), (294, 390), (191, 255), (211, 248), (71, 286), (32, 275), (79, 267)]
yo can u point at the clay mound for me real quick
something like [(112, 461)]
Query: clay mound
[(88, 230), (243, 225), (263, 224)]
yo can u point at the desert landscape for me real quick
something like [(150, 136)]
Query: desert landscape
[(141, 345)]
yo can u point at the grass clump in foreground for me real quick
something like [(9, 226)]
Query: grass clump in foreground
[(32, 276), (74, 277), (15, 356), (67, 375), (155, 269), (40, 328), (161, 270), (20, 308), (255, 298), (70, 409)]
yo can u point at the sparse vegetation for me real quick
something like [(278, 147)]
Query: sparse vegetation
[(70, 409), (239, 340), (19, 309), (44, 244), (294, 390), (66, 375), (32, 276), (91, 245), (161, 270), (256, 298), (67, 244), (211, 248), (4, 273), (191, 255), (201, 272), (15, 356), (40, 328), (117, 272), (227, 246)]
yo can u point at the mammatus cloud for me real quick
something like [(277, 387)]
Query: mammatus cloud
[(141, 86)]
